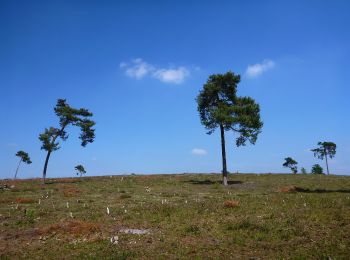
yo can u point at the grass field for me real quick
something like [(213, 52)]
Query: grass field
[(188, 216)]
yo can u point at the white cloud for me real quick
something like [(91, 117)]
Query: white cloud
[(198, 151), (176, 76), (138, 69), (259, 68)]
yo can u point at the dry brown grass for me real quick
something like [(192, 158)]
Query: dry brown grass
[(286, 189), (70, 191), (147, 177), (24, 200), (66, 180), (72, 227), (231, 203)]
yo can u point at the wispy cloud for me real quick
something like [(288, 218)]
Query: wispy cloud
[(198, 151), (259, 68), (12, 145), (138, 68)]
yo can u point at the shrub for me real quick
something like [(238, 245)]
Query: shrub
[(192, 229), (303, 170), (30, 214), (317, 169)]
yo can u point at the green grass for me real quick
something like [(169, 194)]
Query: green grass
[(185, 213)]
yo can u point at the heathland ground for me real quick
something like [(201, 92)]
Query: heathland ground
[(184, 216)]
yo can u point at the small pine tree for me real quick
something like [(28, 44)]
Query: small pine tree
[(303, 170), (80, 169), (24, 157), (317, 169), (291, 164), (325, 150)]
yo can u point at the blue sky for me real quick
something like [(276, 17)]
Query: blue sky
[(139, 66)]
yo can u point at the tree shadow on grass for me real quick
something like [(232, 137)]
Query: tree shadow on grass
[(209, 182), (298, 189), (62, 181)]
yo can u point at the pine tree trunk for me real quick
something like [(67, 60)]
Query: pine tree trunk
[(223, 152), (49, 152), (18, 168), (45, 166), (327, 165)]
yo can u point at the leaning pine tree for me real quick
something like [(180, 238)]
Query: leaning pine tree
[(219, 106), (67, 116), (290, 163), (24, 157)]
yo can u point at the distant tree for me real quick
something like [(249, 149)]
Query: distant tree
[(291, 164), (219, 106), (317, 169), (80, 169), (324, 150), (303, 170), (67, 116), (24, 157)]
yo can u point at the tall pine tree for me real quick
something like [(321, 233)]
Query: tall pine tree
[(220, 107)]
